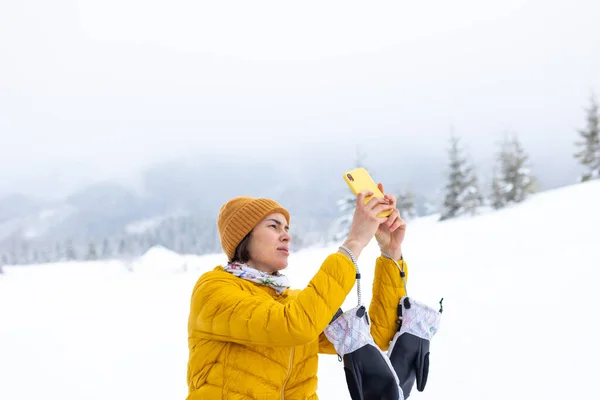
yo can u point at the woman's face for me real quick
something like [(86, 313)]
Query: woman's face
[(269, 245)]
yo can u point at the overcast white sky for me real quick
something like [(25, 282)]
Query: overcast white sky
[(109, 86)]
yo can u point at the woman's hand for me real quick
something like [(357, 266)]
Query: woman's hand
[(365, 221), (390, 234)]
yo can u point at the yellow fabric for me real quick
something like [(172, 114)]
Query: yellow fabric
[(388, 289), (247, 342), (240, 215)]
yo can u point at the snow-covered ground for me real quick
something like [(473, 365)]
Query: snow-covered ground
[(520, 311)]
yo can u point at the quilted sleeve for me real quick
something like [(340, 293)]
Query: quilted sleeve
[(223, 311), (325, 346), (388, 289)]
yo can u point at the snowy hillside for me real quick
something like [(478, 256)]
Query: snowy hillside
[(518, 286)]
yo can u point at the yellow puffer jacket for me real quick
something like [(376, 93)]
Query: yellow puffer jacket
[(248, 342)]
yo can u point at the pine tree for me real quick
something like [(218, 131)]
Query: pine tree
[(430, 206), (122, 247), (345, 206), (14, 258), (24, 257), (45, 254), (105, 249), (589, 153), (405, 203), (473, 199), (70, 251), (91, 253), (497, 193), (58, 253), (518, 175), (513, 182), (462, 190)]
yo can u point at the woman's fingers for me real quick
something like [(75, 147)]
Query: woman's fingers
[(360, 197), (375, 205), (398, 223), (383, 206), (373, 201), (391, 198), (392, 217)]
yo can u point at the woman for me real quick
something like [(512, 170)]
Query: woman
[(249, 335)]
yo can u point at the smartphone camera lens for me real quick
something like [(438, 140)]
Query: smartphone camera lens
[(350, 177)]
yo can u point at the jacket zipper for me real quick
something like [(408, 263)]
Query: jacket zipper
[(289, 372)]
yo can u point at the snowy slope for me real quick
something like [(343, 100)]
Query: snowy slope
[(520, 311)]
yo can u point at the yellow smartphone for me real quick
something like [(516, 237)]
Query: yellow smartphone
[(360, 180)]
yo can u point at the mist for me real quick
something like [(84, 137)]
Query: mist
[(104, 91)]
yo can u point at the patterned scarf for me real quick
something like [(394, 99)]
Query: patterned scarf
[(278, 282)]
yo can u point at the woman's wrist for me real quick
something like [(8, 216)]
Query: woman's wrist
[(396, 254), (354, 246)]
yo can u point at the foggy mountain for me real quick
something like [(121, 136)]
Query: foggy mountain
[(190, 190)]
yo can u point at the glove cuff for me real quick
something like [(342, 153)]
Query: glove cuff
[(349, 331), (418, 319)]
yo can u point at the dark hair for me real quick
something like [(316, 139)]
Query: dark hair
[(242, 253)]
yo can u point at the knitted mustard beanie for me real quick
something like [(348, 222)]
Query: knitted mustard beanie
[(240, 215)]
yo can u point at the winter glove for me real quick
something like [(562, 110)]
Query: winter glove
[(369, 373), (409, 349)]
